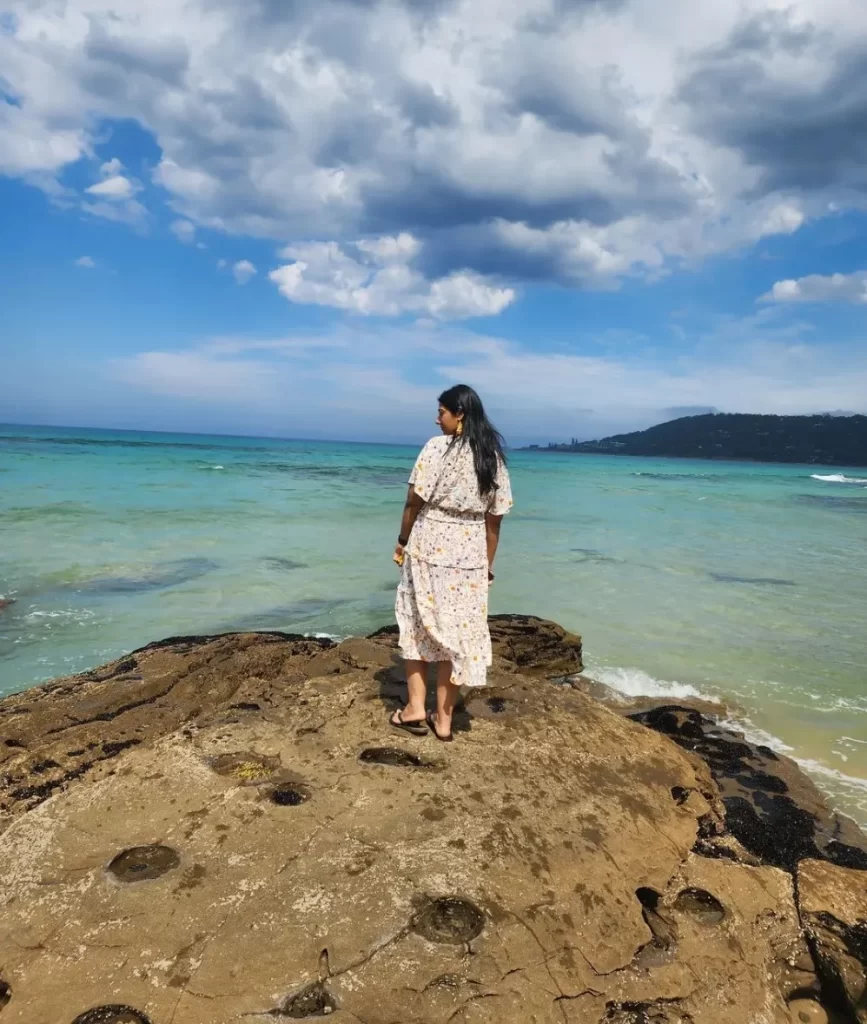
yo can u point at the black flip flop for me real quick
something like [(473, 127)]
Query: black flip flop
[(432, 726), (416, 728)]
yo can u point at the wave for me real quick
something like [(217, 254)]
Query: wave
[(754, 734), (60, 615), (633, 682), (838, 478)]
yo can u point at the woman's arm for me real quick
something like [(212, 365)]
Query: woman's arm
[(414, 504), (492, 530)]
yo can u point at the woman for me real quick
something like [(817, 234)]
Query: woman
[(458, 494)]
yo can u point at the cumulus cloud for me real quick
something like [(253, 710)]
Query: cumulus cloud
[(117, 187), (184, 231), (113, 197), (114, 185), (576, 142), (87, 262), (244, 271), (376, 277), (850, 288)]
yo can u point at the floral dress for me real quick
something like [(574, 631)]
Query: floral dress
[(442, 598)]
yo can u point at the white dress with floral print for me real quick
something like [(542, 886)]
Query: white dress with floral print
[(442, 598)]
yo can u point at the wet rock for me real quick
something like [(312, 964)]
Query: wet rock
[(833, 903), (449, 920), (143, 863), (313, 1001), (702, 905), (394, 757), (112, 1014), (772, 809), (289, 795)]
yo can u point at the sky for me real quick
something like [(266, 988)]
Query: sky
[(306, 218)]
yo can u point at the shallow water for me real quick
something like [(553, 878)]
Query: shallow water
[(738, 581)]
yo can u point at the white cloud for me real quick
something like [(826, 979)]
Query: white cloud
[(244, 271), (194, 376), (550, 139), (222, 264), (111, 168), (184, 231), (112, 198), (115, 188), (129, 211), (762, 364), (850, 288), (85, 261), (377, 279)]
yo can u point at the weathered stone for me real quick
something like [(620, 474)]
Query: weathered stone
[(538, 870), (833, 902)]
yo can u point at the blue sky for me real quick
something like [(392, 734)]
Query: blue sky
[(308, 219)]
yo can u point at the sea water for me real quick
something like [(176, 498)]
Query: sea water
[(741, 582)]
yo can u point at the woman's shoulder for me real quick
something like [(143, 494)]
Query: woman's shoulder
[(437, 444)]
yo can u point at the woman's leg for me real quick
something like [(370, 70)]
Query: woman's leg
[(447, 697), (416, 689)]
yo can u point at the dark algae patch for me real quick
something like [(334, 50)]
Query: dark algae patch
[(392, 756), (114, 1013), (313, 1001)]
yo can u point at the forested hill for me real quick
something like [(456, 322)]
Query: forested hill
[(828, 440)]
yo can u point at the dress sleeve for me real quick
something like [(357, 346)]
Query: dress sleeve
[(502, 503), (426, 471)]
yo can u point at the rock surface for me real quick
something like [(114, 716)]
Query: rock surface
[(833, 904), (224, 829)]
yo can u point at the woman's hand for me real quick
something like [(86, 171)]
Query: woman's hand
[(399, 554)]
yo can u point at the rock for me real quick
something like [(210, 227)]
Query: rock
[(773, 811), (833, 902), (525, 644), (222, 829)]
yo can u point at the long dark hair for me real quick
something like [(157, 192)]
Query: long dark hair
[(479, 433)]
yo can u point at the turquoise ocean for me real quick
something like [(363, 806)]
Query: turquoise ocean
[(744, 583)]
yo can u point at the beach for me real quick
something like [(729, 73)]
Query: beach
[(741, 583)]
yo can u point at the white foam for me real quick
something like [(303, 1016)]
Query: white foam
[(64, 614), (635, 683), (753, 734), (838, 478), (813, 767)]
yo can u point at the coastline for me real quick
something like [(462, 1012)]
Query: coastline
[(676, 856), (742, 460)]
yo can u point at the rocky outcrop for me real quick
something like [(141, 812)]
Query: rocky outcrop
[(224, 829), (833, 904), (772, 809)]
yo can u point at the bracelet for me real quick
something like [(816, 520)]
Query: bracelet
[(403, 541)]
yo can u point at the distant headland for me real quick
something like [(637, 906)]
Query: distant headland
[(824, 439)]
